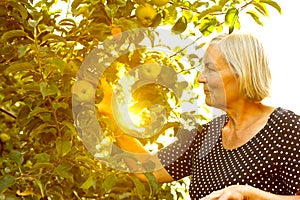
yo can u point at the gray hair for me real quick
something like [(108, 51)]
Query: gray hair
[(246, 56)]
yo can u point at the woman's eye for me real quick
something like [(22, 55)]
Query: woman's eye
[(209, 69)]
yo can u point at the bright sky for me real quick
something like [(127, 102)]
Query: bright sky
[(281, 37)]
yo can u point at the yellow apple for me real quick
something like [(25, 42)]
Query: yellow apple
[(145, 14), (149, 71), (159, 2), (84, 90), (4, 137)]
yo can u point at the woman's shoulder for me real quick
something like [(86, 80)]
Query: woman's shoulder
[(285, 117), (285, 125)]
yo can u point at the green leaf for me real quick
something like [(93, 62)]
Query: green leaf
[(255, 16), (152, 182), (57, 63), (70, 126), (20, 8), (237, 24), (187, 4), (53, 38), (63, 146), (57, 105), (33, 23), (88, 183), (261, 8), (42, 158), (23, 49), (5, 182), (231, 17), (42, 128), (180, 25), (197, 4), (222, 3), (44, 28), (207, 25), (16, 156), (38, 110), (33, 87), (273, 4), (211, 10), (109, 182), (31, 124), (3, 11), (126, 24), (139, 187), (63, 170), (14, 33), (48, 89), (67, 22), (156, 21), (41, 186), (76, 3), (170, 15), (44, 166), (82, 10), (188, 15), (19, 67), (219, 29)]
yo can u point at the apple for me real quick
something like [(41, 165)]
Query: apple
[(149, 71), (84, 90), (4, 137), (145, 14), (159, 2)]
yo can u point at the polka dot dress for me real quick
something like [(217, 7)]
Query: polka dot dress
[(269, 161)]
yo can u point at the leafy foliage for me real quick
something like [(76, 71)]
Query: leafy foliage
[(42, 156)]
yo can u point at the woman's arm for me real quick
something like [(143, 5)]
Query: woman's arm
[(246, 192), (133, 145)]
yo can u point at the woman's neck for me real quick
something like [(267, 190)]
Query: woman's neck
[(246, 119)]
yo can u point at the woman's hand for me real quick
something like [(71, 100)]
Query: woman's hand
[(245, 192), (234, 192)]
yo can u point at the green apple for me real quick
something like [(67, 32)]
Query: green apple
[(159, 2), (149, 71), (145, 14), (4, 137), (84, 90)]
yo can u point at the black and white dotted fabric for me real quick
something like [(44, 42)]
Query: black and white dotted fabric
[(269, 161)]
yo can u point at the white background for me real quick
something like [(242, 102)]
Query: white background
[(281, 37)]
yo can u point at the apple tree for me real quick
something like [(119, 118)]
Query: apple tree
[(49, 80)]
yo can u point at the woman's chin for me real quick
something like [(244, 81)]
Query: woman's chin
[(208, 101), (214, 104)]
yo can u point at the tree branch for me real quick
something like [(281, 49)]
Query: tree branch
[(8, 113)]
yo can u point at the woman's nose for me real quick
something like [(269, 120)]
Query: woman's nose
[(201, 78)]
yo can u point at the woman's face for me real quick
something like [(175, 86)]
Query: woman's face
[(220, 83)]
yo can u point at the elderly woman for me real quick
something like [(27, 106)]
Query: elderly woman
[(254, 150)]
